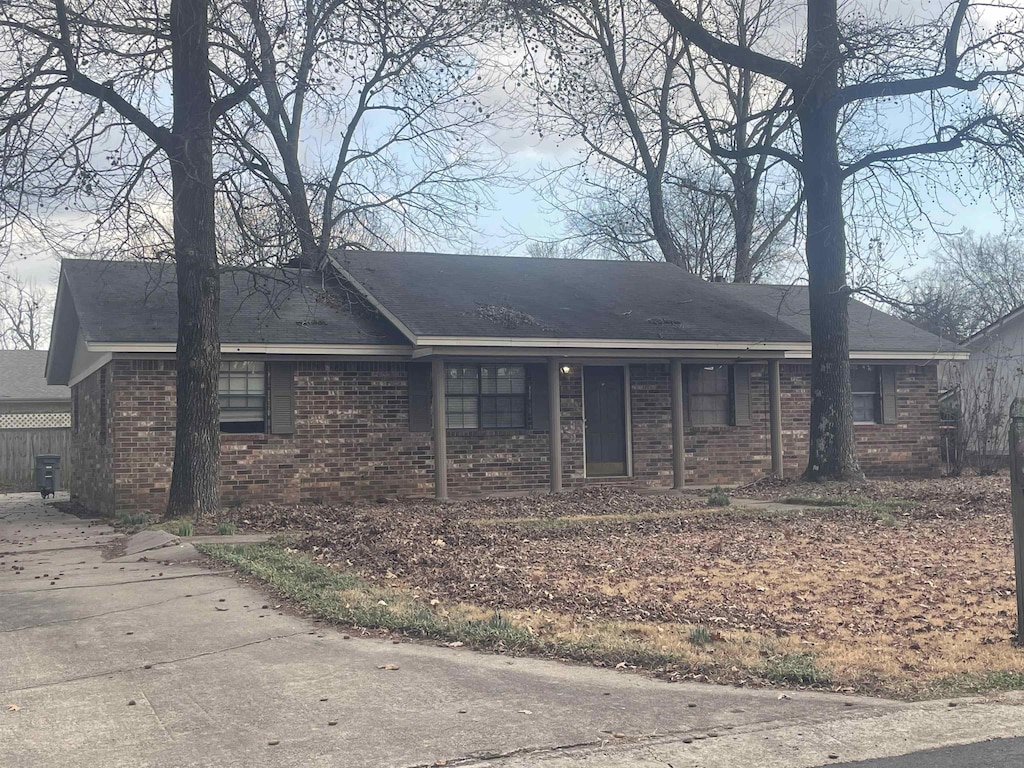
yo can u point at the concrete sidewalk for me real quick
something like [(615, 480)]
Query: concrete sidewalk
[(165, 662)]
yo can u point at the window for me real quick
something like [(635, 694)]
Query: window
[(485, 396), (243, 396), (867, 393), (710, 396)]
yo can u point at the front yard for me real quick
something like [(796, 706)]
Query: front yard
[(902, 588)]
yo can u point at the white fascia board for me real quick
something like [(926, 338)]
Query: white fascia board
[(618, 344), (405, 330), (261, 349), (915, 357), (87, 372)]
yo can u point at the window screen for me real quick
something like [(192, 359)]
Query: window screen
[(242, 387), (486, 396), (866, 394), (710, 396)]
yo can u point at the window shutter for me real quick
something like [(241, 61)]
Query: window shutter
[(537, 374), (889, 414), (741, 395), (282, 398), (687, 386), (419, 397)]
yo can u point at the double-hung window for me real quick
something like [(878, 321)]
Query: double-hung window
[(710, 396), (242, 387), (485, 396), (867, 394)]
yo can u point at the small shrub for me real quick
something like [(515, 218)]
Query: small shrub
[(718, 497), (185, 528), (226, 529), (795, 669), (700, 636), (133, 519)]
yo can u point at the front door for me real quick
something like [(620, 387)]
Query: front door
[(604, 410)]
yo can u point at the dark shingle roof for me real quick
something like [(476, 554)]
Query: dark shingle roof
[(871, 330), (22, 377), (118, 301), (490, 296)]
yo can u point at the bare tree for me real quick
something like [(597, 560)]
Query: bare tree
[(975, 280), (873, 95), (25, 314), (390, 96), (649, 110), (86, 92)]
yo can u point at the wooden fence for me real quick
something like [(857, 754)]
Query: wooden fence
[(18, 449)]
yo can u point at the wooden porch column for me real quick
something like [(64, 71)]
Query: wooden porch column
[(555, 424), (438, 387), (678, 444), (775, 416)]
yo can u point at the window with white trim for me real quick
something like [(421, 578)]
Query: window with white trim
[(710, 396), (242, 387), (485, 396), (866, 384)]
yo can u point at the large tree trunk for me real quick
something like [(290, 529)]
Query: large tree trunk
[(660, 226), (832, 453), (195, 478), (744, 213)]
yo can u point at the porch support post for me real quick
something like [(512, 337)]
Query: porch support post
[(775, 415), (555, 424), (438, 387), (678, 445)]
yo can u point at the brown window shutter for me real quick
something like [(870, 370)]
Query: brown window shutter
[(419, 397), (889, 415), (282, 398), (741, 395), (537, 375)]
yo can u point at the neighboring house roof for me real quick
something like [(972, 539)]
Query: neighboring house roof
[(870, 328), (979, 340), (447, 295), (22, 378)]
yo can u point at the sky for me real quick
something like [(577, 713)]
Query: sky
[(518, 212)]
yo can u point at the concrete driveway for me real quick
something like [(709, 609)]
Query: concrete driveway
[(141, 662)]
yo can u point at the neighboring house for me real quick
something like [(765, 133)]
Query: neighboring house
[(34, 418), (400, 374), (984, 386)]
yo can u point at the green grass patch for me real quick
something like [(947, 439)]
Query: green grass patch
[(718, 497), (133, 520), (811, 501), (795, 669), (970, 684), (185, 528), (700, 636), (226, 529)]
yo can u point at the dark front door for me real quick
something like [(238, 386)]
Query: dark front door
[(604, 408)]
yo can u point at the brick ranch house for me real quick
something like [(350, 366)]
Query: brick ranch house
[(400, 374)]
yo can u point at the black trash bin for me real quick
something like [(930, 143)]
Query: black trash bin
[(47, 474)]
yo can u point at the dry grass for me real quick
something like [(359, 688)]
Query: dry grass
[(897, 588)]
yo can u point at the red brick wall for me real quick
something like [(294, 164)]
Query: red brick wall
[(92, 453), (352, 438), (908, 447)]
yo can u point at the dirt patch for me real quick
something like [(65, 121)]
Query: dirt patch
[(893, 586)]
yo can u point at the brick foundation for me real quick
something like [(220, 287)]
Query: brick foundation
[(352, 438)]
